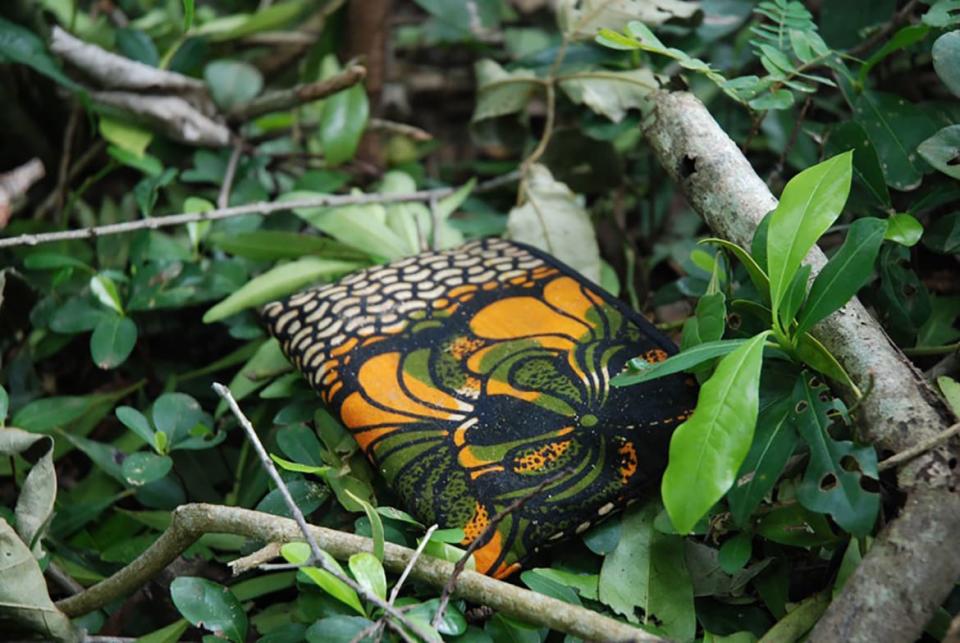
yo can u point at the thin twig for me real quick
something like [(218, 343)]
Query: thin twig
[(318, 557), (928, 351), (946, 366), (85, 159), (899, 18), (919, 449), (265, 208), (485, 536), (402, 129), (256, 559), (223, 199), (794, 135), (282, 99), (63, 173), (66, 582)]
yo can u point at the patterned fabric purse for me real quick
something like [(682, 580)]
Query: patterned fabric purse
[(469, 376)]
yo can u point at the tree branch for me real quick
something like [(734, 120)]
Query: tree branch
[(909, 557), (189, 522)]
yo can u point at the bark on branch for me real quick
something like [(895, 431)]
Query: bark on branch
[(913, 564), (191, 521)]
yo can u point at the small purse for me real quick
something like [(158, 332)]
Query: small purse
[(472, 375)]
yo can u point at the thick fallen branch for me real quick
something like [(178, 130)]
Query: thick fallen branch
[(911, 567), (189, 522)]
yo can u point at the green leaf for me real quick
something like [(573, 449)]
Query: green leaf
[(343, 121), (49, 413), (795, 295), (4, 405), (176, 415), (684, 361), (500, 92), (708, 322), (905, 37), (232, 82), (846, 273), (452, 623), (106, 293), (376, 524), (707, 450), (112, 341), (587, 585), (270, 245), (796, 526), (359, 226), (549, 587), (815, 355), (735, 553), (149, 165), (904, 229), (277, 282), (756, 273), (852, 558), (20, 45), (895, 128), (299, 553), (368, 571), (269, 361), (951, 392), (946, 59), (338, 628), (24, 598), (942, 151), (288, 465), (238, 25), (841, 478), (53, 261), (300, 442), (866, 165), (210, 606), (553, 220), (943, 235), (775, 441), (809, 205), (188, 8), (647, 570), (125, 135), (136, 422), (34, 506), (168, 634), (143, 467), (800, 620)]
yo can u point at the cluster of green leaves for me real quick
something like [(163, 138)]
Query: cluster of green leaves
[(788, 47), (708, 451)]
